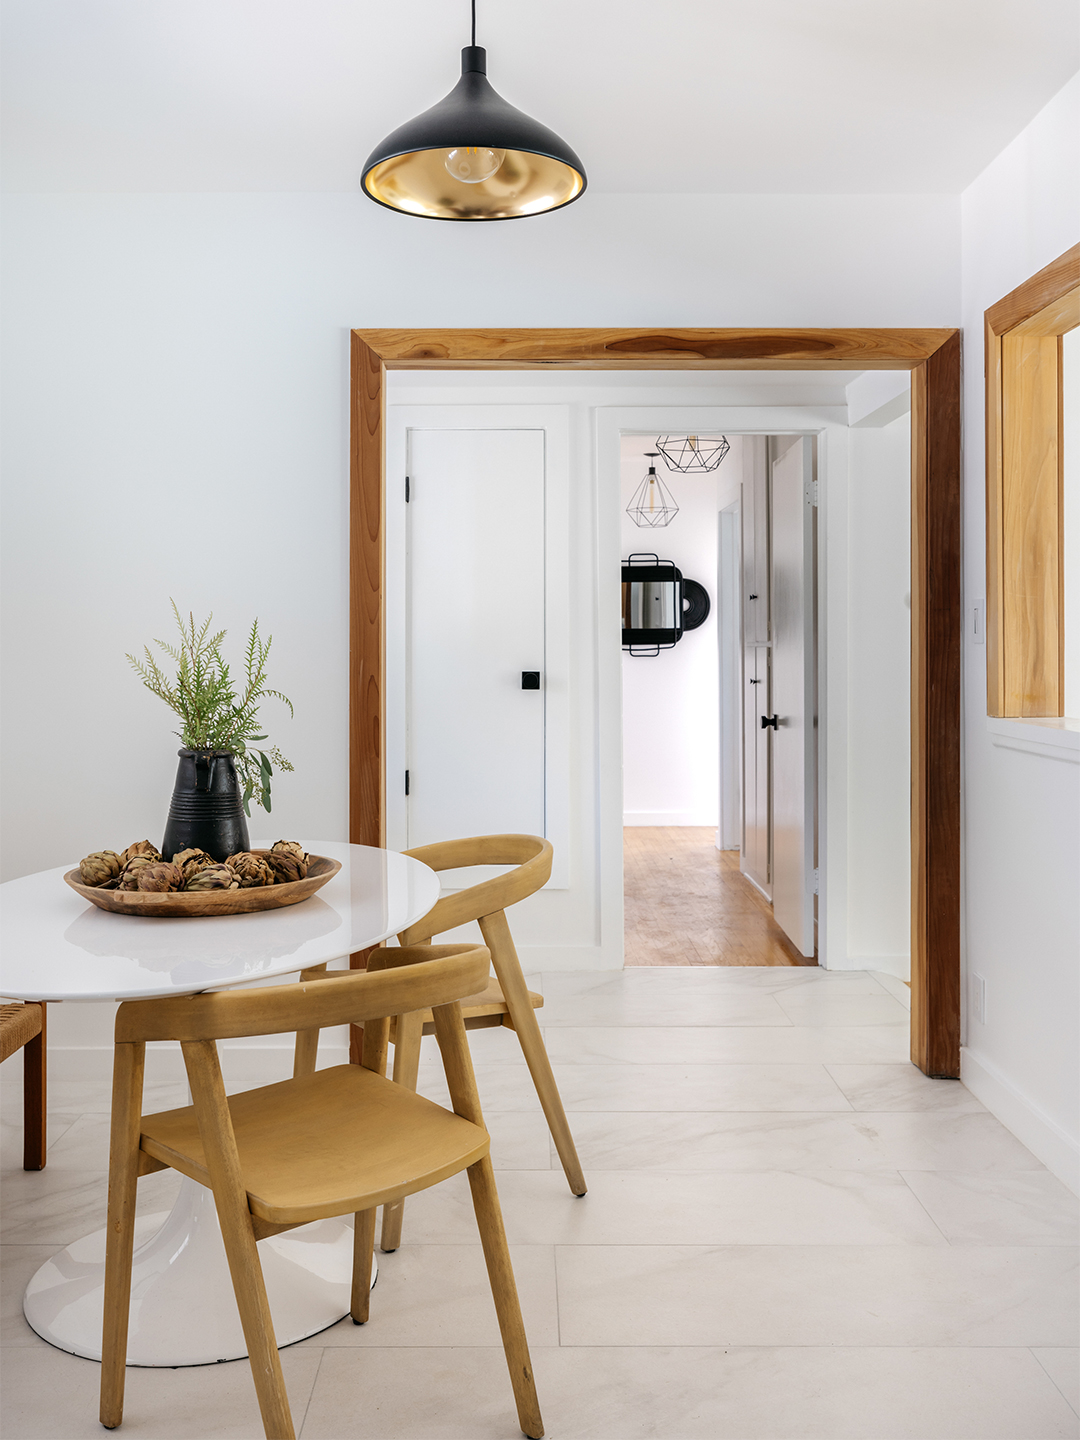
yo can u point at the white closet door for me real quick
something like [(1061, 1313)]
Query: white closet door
[(475, 598), (792, 695)]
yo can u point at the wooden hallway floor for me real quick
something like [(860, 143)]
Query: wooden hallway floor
[(688, 904)]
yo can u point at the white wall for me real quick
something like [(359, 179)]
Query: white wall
[(1022, 808), (671, 702), (176, 423)]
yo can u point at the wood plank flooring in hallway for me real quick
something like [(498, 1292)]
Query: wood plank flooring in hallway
[(688, 904)]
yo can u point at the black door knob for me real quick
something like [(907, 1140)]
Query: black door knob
[(530, 679), (773, 720)]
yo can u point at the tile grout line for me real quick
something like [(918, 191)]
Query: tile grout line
[(1050, 1377), (311, 1392)]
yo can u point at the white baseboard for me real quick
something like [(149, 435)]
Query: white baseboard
[(1043, 1136), (537, 958), (898, 965), (669, 817)]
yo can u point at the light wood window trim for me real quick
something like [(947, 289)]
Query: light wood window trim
[(933, 357), (1025, 590)]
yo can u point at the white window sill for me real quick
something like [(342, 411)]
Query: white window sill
[(1056, 737)]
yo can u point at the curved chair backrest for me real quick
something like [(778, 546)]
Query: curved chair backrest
[(531, 854), (407, 980)]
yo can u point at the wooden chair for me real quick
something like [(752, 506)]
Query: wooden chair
[(505, 1000), (23, 1027), (331, 1142)]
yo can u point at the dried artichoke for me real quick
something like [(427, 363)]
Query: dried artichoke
[(101, 869), (160, 876), (251, 870), (288, 860), (190, 862), (141, 847), (129, 875), (214, 877)]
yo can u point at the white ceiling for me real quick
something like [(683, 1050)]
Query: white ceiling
[(683, 96)]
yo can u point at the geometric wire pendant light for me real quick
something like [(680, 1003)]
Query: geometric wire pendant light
[(691, 454), (652, 505), (473, 156)]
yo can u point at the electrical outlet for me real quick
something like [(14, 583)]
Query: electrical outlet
[(978, 998)]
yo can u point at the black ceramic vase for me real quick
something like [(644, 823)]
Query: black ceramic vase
[(207, 812)]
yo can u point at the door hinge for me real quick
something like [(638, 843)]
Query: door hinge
[(812, 492), (406, 782), (408, 495), (815, 891)]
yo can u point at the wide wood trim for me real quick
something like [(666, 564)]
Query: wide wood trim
[(1025, 599), (671, 349), (936, 621), (1062, 313), (934, 357), (1045, 287), (366, 657)]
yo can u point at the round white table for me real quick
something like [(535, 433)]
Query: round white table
[(54, 946)]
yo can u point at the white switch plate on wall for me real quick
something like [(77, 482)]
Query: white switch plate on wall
[(978, 622), (978, 998)]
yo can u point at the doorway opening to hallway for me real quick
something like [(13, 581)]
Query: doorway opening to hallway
[(720, 759)]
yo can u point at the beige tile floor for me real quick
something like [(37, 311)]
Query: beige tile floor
[(790, 1233)]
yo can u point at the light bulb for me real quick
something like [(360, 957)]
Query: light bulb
[(473, 163)]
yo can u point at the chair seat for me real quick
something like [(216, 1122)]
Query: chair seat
[(330, 1143), (18, 1024)]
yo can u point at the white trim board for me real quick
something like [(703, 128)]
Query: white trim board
[(1046, 1140), (1057, 739)]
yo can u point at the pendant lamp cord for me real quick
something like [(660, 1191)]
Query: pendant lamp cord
[(474, 22)]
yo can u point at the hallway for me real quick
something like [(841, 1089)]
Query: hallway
[(688, 904)]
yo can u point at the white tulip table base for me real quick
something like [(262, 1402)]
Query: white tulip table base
[(183, 1311)]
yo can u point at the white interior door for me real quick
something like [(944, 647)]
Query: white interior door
[(475, 623), (756, 838), (792, 617)]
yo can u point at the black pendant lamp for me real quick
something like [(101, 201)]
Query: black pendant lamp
[(473, 157)]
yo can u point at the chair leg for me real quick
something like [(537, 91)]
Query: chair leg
[(230, 1197), (504, 1292), (363, 1250), (410, 1030), (35, 1139), (120, 1232), (500, 942)]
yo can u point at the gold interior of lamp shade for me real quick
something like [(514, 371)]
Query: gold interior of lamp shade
[(525, 184)]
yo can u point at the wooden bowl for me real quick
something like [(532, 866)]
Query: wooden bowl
[(209, 902)]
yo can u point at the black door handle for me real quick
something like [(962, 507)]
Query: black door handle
[(530, 679), (773, 720)]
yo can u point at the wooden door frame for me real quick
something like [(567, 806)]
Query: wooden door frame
[(933, 357)]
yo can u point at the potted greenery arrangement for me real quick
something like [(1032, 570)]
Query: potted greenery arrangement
[(221, 767)]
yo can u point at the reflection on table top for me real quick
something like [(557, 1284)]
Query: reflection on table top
[(54, 945)]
